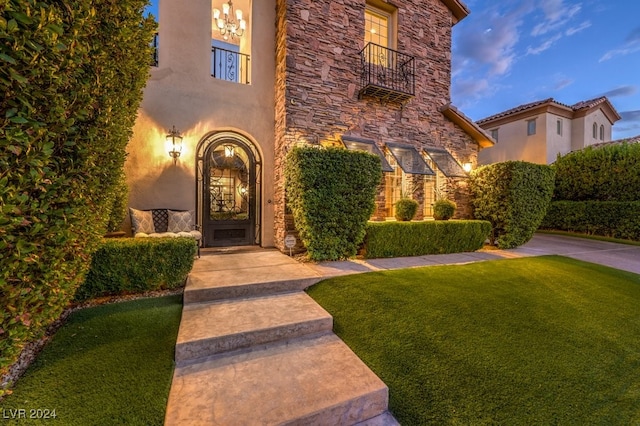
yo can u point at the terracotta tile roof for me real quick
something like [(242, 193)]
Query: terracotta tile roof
[(589, 103), (550, 101), (634, 139), (516, 110)]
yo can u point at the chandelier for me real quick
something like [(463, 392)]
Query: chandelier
[(228, 26)]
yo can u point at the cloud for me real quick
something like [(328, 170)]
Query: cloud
[(620, 91), (630, 116), (619, 52), (631, 45), (544, 46), (557, 14), (470, 88), (634, 36), (489, 42), (573, 30), (561, 83)]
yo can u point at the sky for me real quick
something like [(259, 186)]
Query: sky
[(511, 52)]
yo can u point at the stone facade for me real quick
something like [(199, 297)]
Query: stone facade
[(318, 77)]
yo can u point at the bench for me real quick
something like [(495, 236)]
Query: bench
[(157, 223)]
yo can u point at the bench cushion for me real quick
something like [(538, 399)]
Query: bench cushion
[(142, 221), (179, 221)]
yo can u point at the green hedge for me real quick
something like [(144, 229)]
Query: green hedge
[(136, 265), (331, 193), (514, 197), (615, 219), (71, 78), (397, 239), (607, 173)]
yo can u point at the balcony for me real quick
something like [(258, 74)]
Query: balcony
[(229, 65), (387, 74)]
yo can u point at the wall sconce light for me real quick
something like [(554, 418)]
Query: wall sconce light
[(467, 167), (174, 144), (229, 151)]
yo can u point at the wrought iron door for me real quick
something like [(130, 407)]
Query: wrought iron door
[(229, 208)]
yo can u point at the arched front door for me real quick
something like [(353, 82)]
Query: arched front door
[(230, 191)]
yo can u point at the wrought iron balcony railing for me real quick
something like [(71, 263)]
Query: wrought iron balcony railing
[(387, 74), (229, 65), (154, 45)]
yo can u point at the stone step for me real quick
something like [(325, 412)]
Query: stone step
[(308, 381), (212, 328), (217, 276), (200, 290)]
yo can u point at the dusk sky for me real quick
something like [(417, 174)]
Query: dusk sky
[(511, 52)]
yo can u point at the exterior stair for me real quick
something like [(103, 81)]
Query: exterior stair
[(251, 352)]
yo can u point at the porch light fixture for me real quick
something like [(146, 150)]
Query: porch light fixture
[(467, 167), (229, 150), (228, 26), (174, 143)]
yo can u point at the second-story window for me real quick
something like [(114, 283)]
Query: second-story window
[(601, 132), (531, 127), (377, 27), (230, 42), (559, 127), (494, 134), (595, 130)]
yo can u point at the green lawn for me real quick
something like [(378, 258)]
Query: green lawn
[(107, 365), (546, 340)]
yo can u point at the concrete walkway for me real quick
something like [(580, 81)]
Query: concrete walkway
[(253, 348)]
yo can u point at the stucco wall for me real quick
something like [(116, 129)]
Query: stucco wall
[(318, 80), (557, 144), (181, 92), (599, 118), (515, 144)]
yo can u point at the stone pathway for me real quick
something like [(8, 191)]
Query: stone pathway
[(254, 349)]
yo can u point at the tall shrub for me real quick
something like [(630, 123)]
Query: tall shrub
[(71, 75), (331, 193), (514, 197), (607, 173)]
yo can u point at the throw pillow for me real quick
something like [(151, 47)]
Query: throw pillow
[(142, 221), (179, 221)]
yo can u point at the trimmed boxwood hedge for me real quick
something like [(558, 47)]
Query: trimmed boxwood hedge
[(136, 265), (514, 197), (616, 219), (331, 193), (398, 239)]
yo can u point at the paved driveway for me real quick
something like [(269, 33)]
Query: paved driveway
[(619, 256)]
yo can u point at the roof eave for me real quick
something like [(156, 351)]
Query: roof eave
[(458, 9), (470, 128)]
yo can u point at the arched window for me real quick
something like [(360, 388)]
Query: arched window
[(595, 130), (602, 132)]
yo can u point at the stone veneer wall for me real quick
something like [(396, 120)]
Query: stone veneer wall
[(317, 82)]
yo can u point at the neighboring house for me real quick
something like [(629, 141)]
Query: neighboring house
[(537, 132), (370, 75)]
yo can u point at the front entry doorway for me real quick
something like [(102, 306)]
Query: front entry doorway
[(230, 191)]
